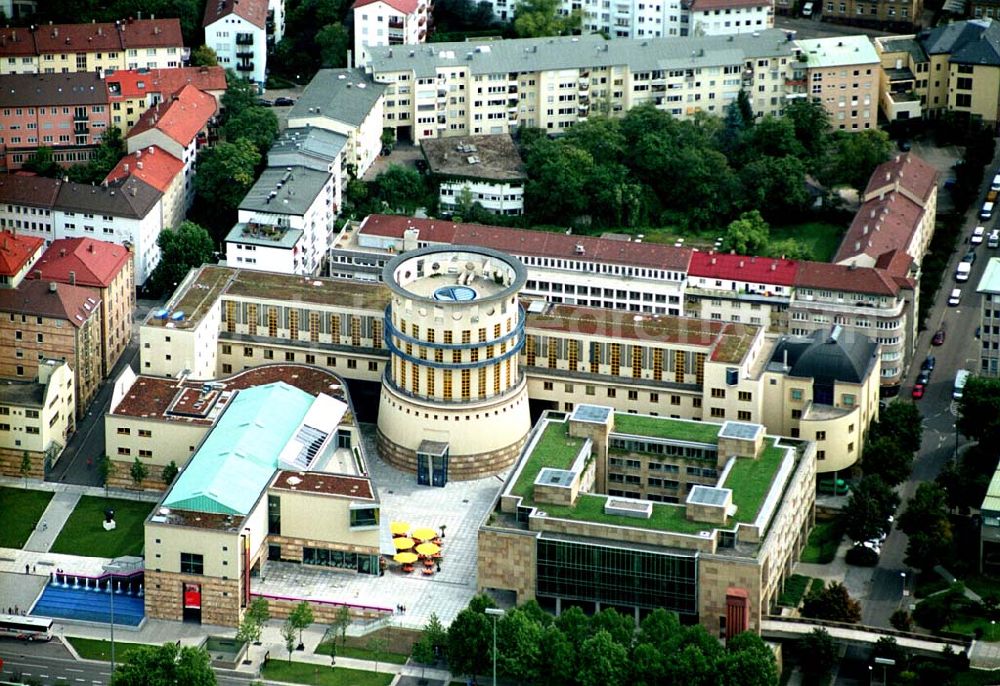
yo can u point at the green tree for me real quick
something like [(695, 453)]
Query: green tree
[(537, 18), (855, 156), (226, 172), (240, 95), (901, 620), (776, 184), (259, 125), (288, 630), (377, 646), (423, 654), (833, 603), (106, 469), (925, 521), (903, 422), (558, 658), (333, 42), (745, 108), (558, 174), (886, 458), (182, 249), (469, 636), (618, 626), (341, 620), (979, 410), (25, 466), (602, 137), (106, 155), (164, 666), (249, 630), (575, 625), (606, 661), (820, 653), (259, 610), (401, 188), (204, 56), (43, 164), (519, 638), (811, 122), (747, 662), (436, 633), (658, 628), (301, 618), (139, 471), (747, 235), (169, 473), (774, 137), (871, 503)]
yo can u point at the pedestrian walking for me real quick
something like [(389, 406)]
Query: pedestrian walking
[(27, 569)]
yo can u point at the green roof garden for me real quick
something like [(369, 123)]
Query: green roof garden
[(750, 481), (555, 449), (661, 427)]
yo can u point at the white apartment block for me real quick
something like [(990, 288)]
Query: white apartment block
[(275, 21), (388, 22), (843, 74), (460, 89), (486, 169), (268, 248), (237, 31)]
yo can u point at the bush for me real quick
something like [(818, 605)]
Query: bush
[(861, 557), (934, 613)]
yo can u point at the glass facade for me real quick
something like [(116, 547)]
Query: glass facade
[(617, 576), (358, 562), (652, 447)]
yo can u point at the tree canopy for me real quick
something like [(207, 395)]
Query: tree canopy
[(181, 249), (226, 171), (833, 603), (537, 18), (164, 665), (871, 503), (925, 521), (258, 125)]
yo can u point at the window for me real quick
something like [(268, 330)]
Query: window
[(144, 433), (718, 412), (274, 515), (820, 435), (718, 392), (847, 399), (743, 415), (367, 516), (745, 396), (820, 454), (612, 393), (192, 563), (796, 394)]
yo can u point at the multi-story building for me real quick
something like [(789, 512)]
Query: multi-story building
[(989, 314), (737, 288), (897, 15), (26, 204), (18, 254), (133, 91), (722, 17), (93, 47), (275, 22), (477, 169), (108, 269), (639, 512), (346, 102), (843, 74), (388, 22), (951, 68), (36, 418), (280, 474), (65, 112), (164, 172), (460, 89), (42, 320), (238, 32)]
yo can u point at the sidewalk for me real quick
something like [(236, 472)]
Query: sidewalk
[(52, 521)]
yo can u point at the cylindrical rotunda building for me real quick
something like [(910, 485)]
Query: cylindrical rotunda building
[(454, 404)]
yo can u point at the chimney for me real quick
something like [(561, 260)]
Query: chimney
[(38, 273), (72, 278), (62, 252), (90, 248), (52, 287)]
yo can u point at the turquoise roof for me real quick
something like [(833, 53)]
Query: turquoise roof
[(240, 454)]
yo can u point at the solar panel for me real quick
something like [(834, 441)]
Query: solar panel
[(708, 495), (743, 430), (591, 413), (554, 477)]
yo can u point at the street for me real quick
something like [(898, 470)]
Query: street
[(814, 28)]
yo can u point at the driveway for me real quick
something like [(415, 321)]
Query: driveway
[(943, 159), (405, 154)]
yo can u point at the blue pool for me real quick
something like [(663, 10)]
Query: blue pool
[(88, 604)]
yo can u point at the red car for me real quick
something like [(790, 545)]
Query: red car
[(938, 338), (918, 391)]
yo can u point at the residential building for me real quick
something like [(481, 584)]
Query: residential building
[(477, 169), (164, 172), (36, 419), (26, 204), (989, 532), (722, 17), (279, 475), (347, 102), (312, 148), (905, 72), (237, 31), (636, 512), (460, 89), (18, 254), (271, 248), (738, 288), (127, 212), (843, 73), (388, 22), (42, 320), (888, 15), (66, 112), (179, 126), (92, 47), (275, 22), (133, 91), (989, 315), (107, 268)]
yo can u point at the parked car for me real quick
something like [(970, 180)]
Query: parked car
[(831, 487), (955, 298), (963, 270), (938, 337), (979, 331), (264, 102), (905, 145), (978, 233), (993, 240), (283, 102), (970, 256), (918, 391), (807, 9), (928, 363), (861, 557), (995, 184), (924, 378)]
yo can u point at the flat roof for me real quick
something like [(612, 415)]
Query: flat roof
[(285, 190), (838, 51), (990, 280), (324, 483), (482, 157), (665, 428), (253, 233)]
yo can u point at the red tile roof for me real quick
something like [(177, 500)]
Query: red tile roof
[(131, 83), (404, 6), (909, 172), (842, 277), (74, 304), (534, 243), (153, 164), (92, 262), (16, 251), (180, 118), (16, 41), (765, 270), (152, 33), (323, 483), (38, 191), (68, 38), (254, 11), (881, 225)]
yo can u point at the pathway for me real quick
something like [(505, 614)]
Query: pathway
[(52, 521)]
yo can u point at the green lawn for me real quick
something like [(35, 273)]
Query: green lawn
[(305, 673), (362, 653), (99, 649), (966, 624), (795, 589), (751, 481), (659, 427), (823, 542), (29, 506), (84, 534), (819, 238), (554, 449), (979, 677)]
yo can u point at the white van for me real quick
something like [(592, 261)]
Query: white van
[(993, 241), (963, 271), (961, 378), (995, 185), (807, 9), (955, 297), (987, 210)]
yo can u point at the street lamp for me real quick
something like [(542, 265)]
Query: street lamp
[(111, 568), (903, 576), (494, 612)]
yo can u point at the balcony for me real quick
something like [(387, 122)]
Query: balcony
[(244, 66), (244, 39), (81, 115), (422, 21), (423, 32), (244, 54), (80, 128), (396, 24)]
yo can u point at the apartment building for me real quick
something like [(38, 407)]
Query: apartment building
[(156, 167), (477, 169), (724, 17), (888, 15), (26, 204), (843, 73), (133, 91), (42, 320), (989, 315), (238, 32), (36, 419), (18, 254), (108, 269), (346, 102), (388, 22), (94, 47), (951, 68), (665, 508), (66, 112), (461, 89)]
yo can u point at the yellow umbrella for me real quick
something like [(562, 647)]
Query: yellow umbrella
[(405, 558), (399, 528), (402, 543), (425, 533), (428, 549)]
